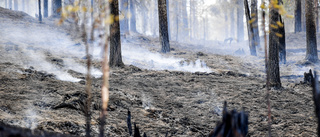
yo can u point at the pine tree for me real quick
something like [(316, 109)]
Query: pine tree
[(312, 52), (163, 26)]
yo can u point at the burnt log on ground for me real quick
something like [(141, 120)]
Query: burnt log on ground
[(13, 131), (233, 124)]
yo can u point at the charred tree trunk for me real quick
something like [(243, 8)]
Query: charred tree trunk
[(10, 4), (115, 43), (56, 7), (163, 26), (15, 4), (316, 98), (45, 8), (255, 25), (251, 37), (303, 13), (40, 16), (240, 25), (133, 23), (124, 23), (282, 42), (168, 17), (312, 52), (297, 15), (273, 61), (316, 14)]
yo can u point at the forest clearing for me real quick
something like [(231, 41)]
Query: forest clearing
[(172, 84)]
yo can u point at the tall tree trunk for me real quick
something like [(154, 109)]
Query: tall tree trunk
[(6, 3), (232, 32), (10, 4), (303, 13), (317, 14), (133, 24), (297, 14), (115, 43), (168, 17), (273, 61), (124, 24), (227, 25), (190, 20), (240, 25), (16, 5), (177, 19), (255, 25), (312, 52), (39, 5), (56, 7), (184, 14), (251, 36), (45, 8), (163, 26), (282, 42)]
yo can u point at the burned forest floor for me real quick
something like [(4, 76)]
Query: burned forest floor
[(42, 84)]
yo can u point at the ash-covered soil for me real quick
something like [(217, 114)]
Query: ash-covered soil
[(174, 102)]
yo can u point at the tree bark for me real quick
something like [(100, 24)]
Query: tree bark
[(273, 61), (184, 13), (40, 16), (168, 17), (115, 43), (282, 42), (124, 23), (15, 4), (133, 24), (240, 25), (297, 15), (163, 26), (45, 8), (56, 7), (312, 52), (316, 14), (251, 36), (303, 13), (255, 25)]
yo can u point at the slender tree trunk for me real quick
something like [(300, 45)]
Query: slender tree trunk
[(45, 8), (232, 31), (56, 7), (190, 20), (240, 25), (255, 25), (124, 24), (184, 14), (177, 20), (303, 13), (251, 36), (133, 24), (115, 43), (273, 61), (40, 16), (10, 4), (16, 5), (227, 25), (163, 26), (317, 14), (312, 52), (297, 14), (6, 3)]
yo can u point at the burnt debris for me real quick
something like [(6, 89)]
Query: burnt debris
[(136, 128), (308, 77), (233, 124), (316, 98)]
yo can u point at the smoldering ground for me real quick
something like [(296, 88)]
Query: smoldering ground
[(178, 101)]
